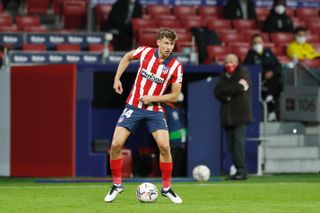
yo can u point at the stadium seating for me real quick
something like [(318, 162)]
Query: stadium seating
[(68, 48), (219, 24), (155, 10), (314, 25), (33, 47), (35, 29), (227, 37), (74, 14), (9, 29), (313, 38), (36, 7), (147, 38), (243, 24), (26, 21), (140, 23), (240, 51), (298, 22), (210, 11), (262, 13), (281, 39), (216, 54), (6, 20), (303, 13), (102, 13), (184, 11), (169, 23), (195, 21), (290, 12), (312, 63), (249, 33), (165, 17)]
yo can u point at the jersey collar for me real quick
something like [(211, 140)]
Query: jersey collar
[(165, 62)]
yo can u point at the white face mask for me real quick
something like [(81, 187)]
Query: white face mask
[(280, 9), (301, 39), (258, 48)]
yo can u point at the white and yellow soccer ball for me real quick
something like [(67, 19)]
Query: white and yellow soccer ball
[(201, 173), (147, 192)]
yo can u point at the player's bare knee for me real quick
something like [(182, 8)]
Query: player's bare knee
[(116, 148), (164, 149)]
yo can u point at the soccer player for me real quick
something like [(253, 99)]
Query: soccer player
[(158, 69)]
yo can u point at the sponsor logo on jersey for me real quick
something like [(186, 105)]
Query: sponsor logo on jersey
[(152, 77)]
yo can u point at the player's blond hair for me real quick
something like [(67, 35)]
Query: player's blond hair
[(167, 33)]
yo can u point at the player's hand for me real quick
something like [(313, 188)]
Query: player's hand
[(117, 86), (146, 99), (244, 83)]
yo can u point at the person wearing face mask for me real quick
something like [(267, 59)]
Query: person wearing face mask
[(271, 74), (277, 20), (233, 90), (300, 48), (240, 9)]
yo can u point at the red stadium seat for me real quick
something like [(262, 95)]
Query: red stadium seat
[(262, 13), (155, 10), (243, 24), (282, 39), (279, 50), (34, 47), (184, 36), (240, 51), (9, 29), (165, 17), (283, 59), (195, 21), (298, 22), (290, 11), (315, 63), (102, 13), (184, 11), (140, 23), (268, 44), (229, 38), (36, 7), (6, 20), (313, 38), (24, 21), (169, 23), (35, 29), (306, 12), (147, 38), (249, 33), (216, 54), (313, 25), (68, 48), (219, 24), (127, 163), (210, 11), (74, 14)]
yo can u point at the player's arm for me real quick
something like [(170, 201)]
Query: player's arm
[(124, 63), (169, 97)]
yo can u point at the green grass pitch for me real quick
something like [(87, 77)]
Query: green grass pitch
[(280, 193)]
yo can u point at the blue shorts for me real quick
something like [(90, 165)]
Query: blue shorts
[(131, 117)]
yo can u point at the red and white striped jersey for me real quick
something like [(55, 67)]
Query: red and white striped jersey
[(153, 77)]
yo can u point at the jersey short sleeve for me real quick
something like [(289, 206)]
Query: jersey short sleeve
[(137, 52), (177, 75)]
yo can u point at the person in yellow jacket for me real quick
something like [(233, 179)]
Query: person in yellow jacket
[(300, 48)]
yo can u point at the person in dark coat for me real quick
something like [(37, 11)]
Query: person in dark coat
[(271, 73), (240, 9), (233, 90), (277, 20), (119, 21)]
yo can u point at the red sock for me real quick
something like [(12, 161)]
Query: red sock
[(116, 167), (166, 170)]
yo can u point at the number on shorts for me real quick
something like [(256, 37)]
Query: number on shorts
[(127, 113)]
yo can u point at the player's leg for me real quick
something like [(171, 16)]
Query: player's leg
[(120, 136), (161, 137)]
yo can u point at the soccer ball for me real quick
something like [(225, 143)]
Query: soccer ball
[(147, 192), (201, 173)]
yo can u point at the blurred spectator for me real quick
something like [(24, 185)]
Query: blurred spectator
[(240, 9), (119, 21), (233, 90), (271, 74), (277, 20), (299, 48)]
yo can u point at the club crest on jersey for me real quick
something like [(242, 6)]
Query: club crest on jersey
[(165, 69), (152, 77)]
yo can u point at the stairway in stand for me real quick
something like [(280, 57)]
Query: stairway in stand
[(291, 147)]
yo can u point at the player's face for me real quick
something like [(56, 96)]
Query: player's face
[(166, 46)]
